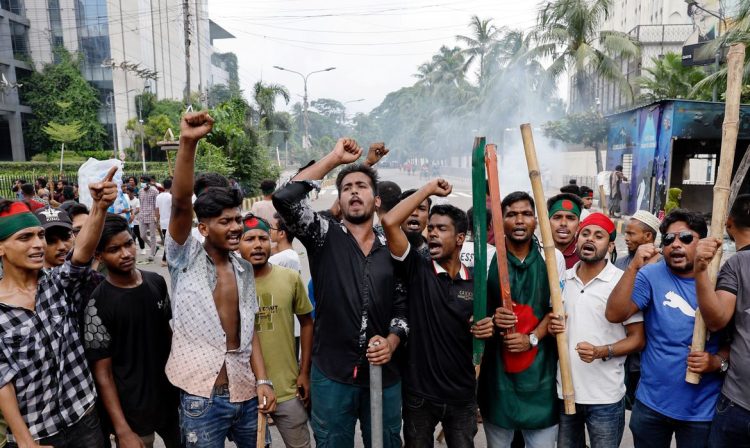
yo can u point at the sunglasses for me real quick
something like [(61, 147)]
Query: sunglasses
[(685, 237)]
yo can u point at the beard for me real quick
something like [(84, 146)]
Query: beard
[(360, 219), (596, 257), (415, 239)]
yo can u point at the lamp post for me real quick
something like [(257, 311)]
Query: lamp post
[(146, 88), (343, 118), (305, 118)]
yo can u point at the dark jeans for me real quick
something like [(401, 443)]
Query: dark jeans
[(421, 416), (207, 422), (605, 424), (731, 425), (86, 433), (137, 236), (652, 429), (337, 406), (164, 242)]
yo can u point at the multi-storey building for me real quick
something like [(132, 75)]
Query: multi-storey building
[(14, 68)]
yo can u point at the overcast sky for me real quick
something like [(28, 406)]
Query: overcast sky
[(375, 46)]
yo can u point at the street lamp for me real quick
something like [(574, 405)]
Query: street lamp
[(305, 118), (343, 118)]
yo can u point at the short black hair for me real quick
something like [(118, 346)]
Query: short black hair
[(113, 225), (68, 193), (57, 233), (585, 190), (470, 218), (740, 211), (517, 196), (390, 194), (214, 200), (167, 184), (458, 216), (209, 180), (281, 225), (694, 220), (410, 192), (146, 178), (77, 209), (42, 181), (618, 168), (574, 198), (267, 186), (571, 188), (27, 189), (358, 168)]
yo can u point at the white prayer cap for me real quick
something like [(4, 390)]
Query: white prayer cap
[(648, 219)]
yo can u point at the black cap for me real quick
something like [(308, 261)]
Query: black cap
[(52, 217)]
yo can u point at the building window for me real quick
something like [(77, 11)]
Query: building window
[(14, 6), (19, 38)]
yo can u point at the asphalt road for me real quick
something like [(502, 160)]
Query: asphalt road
[(460, 197)]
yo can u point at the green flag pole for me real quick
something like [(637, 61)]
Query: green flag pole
[(479, 232)]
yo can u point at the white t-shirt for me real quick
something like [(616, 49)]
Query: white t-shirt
[(599, 382), (467, 254), (287, 258), (264, 209), (135, 205), (164, 205)]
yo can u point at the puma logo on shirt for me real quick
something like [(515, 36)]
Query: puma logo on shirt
[(674, 300)]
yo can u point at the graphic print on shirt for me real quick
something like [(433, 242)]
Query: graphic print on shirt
[(674, 300), (266, 312)]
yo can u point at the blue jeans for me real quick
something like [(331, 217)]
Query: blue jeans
[(337, 406), (731, 425), (421, 416), (604, 422), (498, 437), (206, 422), (652, 429)]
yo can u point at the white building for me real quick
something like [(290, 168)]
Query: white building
[(14, 68)]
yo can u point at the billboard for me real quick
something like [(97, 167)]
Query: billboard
[(704, 14)]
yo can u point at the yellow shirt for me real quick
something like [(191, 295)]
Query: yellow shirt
[(281, 296)]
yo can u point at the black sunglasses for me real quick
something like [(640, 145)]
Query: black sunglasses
[(685, 237)]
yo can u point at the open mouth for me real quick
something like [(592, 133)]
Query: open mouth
[(233, 239), (37, 256), (588, 249), (677, 257), (412, 225), (519, 231)]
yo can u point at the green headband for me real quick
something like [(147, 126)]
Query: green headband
[(565, 205), (13, 223), (253, 222)]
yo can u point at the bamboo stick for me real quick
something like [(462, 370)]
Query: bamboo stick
[(260, 441), (550, 259), (490, 158), (730, 128), (739, 177)]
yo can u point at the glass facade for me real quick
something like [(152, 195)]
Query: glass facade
[(55, 26), (14, 6), (19, 38)]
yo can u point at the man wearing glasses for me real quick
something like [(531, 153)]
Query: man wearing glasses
[(665, 292)]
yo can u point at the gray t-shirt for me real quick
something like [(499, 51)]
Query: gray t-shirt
[(732, 280)]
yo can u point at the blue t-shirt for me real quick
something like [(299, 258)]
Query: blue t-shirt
[(668, 303)]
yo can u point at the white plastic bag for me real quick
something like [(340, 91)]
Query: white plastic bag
[(94, 171)]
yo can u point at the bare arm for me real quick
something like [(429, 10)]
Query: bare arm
[(345, 151), (12, 414), (620, 305), (104, 194), (391, 221), (105, 384), (635, 340), (266, 395), (717, 307), (193, 127)]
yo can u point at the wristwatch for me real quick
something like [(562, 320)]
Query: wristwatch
[(533, 340), (268, 383), (724, 364)]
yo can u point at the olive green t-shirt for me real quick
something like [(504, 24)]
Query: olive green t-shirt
[(281, 296)]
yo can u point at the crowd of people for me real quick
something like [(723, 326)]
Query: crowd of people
[(94, 349)]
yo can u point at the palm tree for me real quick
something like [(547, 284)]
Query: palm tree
[(569, 32), (447, 67), (668, 78), (265, 98), (484, 36)]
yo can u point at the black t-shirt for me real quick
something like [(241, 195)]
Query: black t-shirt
[(439, 366), (131, 326)]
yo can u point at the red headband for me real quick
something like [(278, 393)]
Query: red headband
[(601, 220)]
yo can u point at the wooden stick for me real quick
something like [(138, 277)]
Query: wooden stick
[(479, 232), (490, 158), (551, 260), (739, 177), (260, 441), (730, 128)]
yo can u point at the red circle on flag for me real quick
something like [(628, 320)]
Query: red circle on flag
[(567, 204)]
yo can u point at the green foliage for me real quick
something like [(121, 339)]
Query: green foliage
[(668, 78), (64, 133), (210, 158), (59, 94), (588, 128)]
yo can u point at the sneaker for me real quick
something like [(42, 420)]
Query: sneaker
[(143, 251)]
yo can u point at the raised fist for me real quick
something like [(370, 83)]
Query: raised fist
[(346, 151), (441, 187), (195, 125), (376, 152)]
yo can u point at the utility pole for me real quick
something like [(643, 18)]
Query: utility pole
[(140, 121), (186, 17), (111, 103)]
